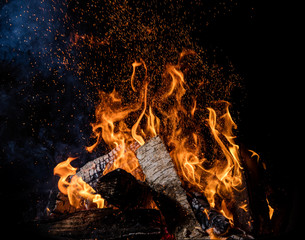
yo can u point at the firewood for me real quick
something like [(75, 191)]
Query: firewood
[(207, 216), (123, 190), (161, 176), (242, 216), (256, 185), (92, 170), (59, 204), (103, 224)]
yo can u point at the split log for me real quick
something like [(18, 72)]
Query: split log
[(59, 204), (92, 170), (103, 224), (161, 176), (123, 190)]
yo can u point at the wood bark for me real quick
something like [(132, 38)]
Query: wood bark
[(92, 170), (161, 176), (59, 204), (103, 224)]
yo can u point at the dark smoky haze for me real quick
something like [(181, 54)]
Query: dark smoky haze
[(57, 54)]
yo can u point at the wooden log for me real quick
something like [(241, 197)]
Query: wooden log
[(103, 224), (256, 185), (123, 190), (94, 169), (161, 176), (207, 216), (59, 204)]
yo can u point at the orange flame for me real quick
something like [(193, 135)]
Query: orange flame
[(76, 189), (271, 210), (148, 112), (228, 172)]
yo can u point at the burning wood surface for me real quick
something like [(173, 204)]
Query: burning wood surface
[(160, 175), (186, 215), (198, 155)]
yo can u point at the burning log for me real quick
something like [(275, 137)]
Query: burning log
[(123, 190), (212, 220), (255, 176), (59, 204), (104, 224), (161, 176), (92, 170), (208, 217)]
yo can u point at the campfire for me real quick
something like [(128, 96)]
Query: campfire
[(174, 169)]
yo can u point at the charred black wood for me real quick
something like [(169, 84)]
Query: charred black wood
[(218, 222), (256, 184), (123, 190), (103, 224), (240, 237), (200, 208), (57, 204), (206, 216)]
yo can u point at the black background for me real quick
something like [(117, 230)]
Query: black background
[(260, 39)]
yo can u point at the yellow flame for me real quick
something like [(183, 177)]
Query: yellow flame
[(271, 210), (165, 113), (76, 189)]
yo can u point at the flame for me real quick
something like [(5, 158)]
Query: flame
[(228, 172), (213, 236), (271, 210), (76, 189), (224, 210), (184, 144), (146, 112), (254, 154)]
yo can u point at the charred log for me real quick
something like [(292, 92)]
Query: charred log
[(254, 173), (208, 217), (161, 176), (59, 204), (104, 224), (123, 190)]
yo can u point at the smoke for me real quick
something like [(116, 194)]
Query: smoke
[(45, 108), (54, 56), (29, 29)]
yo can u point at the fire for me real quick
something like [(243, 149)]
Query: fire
[(228, 172), (271, 210), (76, 189), (147, 112)]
